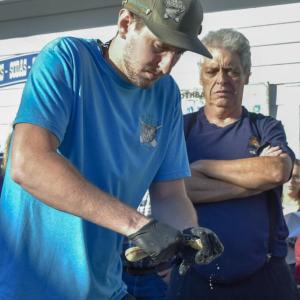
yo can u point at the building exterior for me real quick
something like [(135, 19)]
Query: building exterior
[(271, 26)]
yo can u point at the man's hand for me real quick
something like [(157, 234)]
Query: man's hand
[(197, 245), (271, 151), (158, 240), (211, 248)]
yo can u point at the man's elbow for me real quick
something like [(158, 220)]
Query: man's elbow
[(282, 171), (280, 177)]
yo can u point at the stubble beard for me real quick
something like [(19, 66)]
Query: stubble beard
[(131, 67)]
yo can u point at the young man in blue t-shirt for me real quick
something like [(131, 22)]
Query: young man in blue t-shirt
[(98, 125)]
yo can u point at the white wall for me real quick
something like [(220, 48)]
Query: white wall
[(10, 96), (274, 36), (272, 31), (9, 101), (34, 17), (288, 101)]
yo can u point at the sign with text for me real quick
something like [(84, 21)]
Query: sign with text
[(16, 69), (191, 100)]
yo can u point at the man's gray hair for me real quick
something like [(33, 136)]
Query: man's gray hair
[(233, 41)]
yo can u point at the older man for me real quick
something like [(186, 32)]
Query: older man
[(239, 161)]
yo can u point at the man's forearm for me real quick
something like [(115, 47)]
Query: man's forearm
[(178, 213), (170, 204), (202, 189), (50, 178), (261, 173)]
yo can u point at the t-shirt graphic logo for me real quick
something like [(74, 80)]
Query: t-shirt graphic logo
[(148, 134), (174, 9), (254, 144)]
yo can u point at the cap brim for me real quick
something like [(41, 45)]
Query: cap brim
[(178, 39)]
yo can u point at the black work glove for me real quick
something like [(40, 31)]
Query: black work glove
[(210, 250), (160, 241)]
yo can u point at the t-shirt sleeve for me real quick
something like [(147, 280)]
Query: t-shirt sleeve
[(175, 163), (48, 95), (273, 132)]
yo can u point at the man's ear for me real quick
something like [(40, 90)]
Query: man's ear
[(125, 19)]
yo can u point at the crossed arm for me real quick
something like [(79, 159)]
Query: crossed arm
[(219, 180), (38, 168)]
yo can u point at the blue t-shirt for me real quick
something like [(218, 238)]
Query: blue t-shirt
[(120, 137), (1, 182), (241, 224)]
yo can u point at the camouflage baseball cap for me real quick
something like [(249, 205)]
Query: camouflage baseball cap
[(174, 22)]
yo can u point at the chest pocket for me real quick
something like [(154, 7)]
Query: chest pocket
[(149, 133)]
